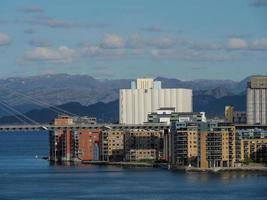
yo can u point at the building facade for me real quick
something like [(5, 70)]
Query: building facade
[(202, 145), (254, 150), (143, 144), (257, 100), (147, 96), (73, 144), (166, 115)]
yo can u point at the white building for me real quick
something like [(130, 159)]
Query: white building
[(257, 100), (146, 96), (166, 115)]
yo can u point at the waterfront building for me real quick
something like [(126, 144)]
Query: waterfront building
[(68, 144), (146, 96), (217, 146), (143, 144), (115, 145), (254, 149), (257, 100), (184, 144), (141, 155), (87, 143), (251, 145), (204, 145), (60, 140)]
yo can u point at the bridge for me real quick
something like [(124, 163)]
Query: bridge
[(146, 126), (49, 127)]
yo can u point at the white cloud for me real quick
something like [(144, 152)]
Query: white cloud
[(41, 54), (236, 43), (259, 44), (4, 39), (112, 41)]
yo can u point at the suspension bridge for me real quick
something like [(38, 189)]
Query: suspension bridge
[(25, 123)]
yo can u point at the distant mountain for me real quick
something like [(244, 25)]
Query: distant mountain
[(109, 112), (63, 88), (215, 106), (217, 92), (104, 112), (202, 84), (60, 89)]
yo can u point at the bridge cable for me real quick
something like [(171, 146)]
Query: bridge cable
[(19, 113), (12, 113), (40, 103)]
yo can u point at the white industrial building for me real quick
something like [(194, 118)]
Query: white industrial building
[(257, 100), (146, 96)]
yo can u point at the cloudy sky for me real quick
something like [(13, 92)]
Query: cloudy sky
[(185, 39)]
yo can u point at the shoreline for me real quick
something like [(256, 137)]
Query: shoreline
[(121, 164), (165, 166)]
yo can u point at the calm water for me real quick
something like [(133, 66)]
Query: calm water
[(22, 176)]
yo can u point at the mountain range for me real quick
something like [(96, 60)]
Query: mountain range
[(85, 95)]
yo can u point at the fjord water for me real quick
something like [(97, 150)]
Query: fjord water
[(23, 175)]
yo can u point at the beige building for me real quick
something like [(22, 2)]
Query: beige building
[(217, 147), (229, 113), (115, 145), (203, 145), (141, 154), (254, 149)]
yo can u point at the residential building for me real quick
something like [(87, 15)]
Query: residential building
[(115, 145), (147, 96), (68, 144), (141, 155), (204, 145), (254, 149), (143, 144)]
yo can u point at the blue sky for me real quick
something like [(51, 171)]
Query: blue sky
[(184, 39)]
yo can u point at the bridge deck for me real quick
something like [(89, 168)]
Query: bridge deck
[(49, 127)]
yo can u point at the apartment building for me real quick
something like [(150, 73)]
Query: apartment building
[(254, 149), (143, 144), (203, 145), (68, 144)]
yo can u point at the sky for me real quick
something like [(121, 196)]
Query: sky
[(112, 39)]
